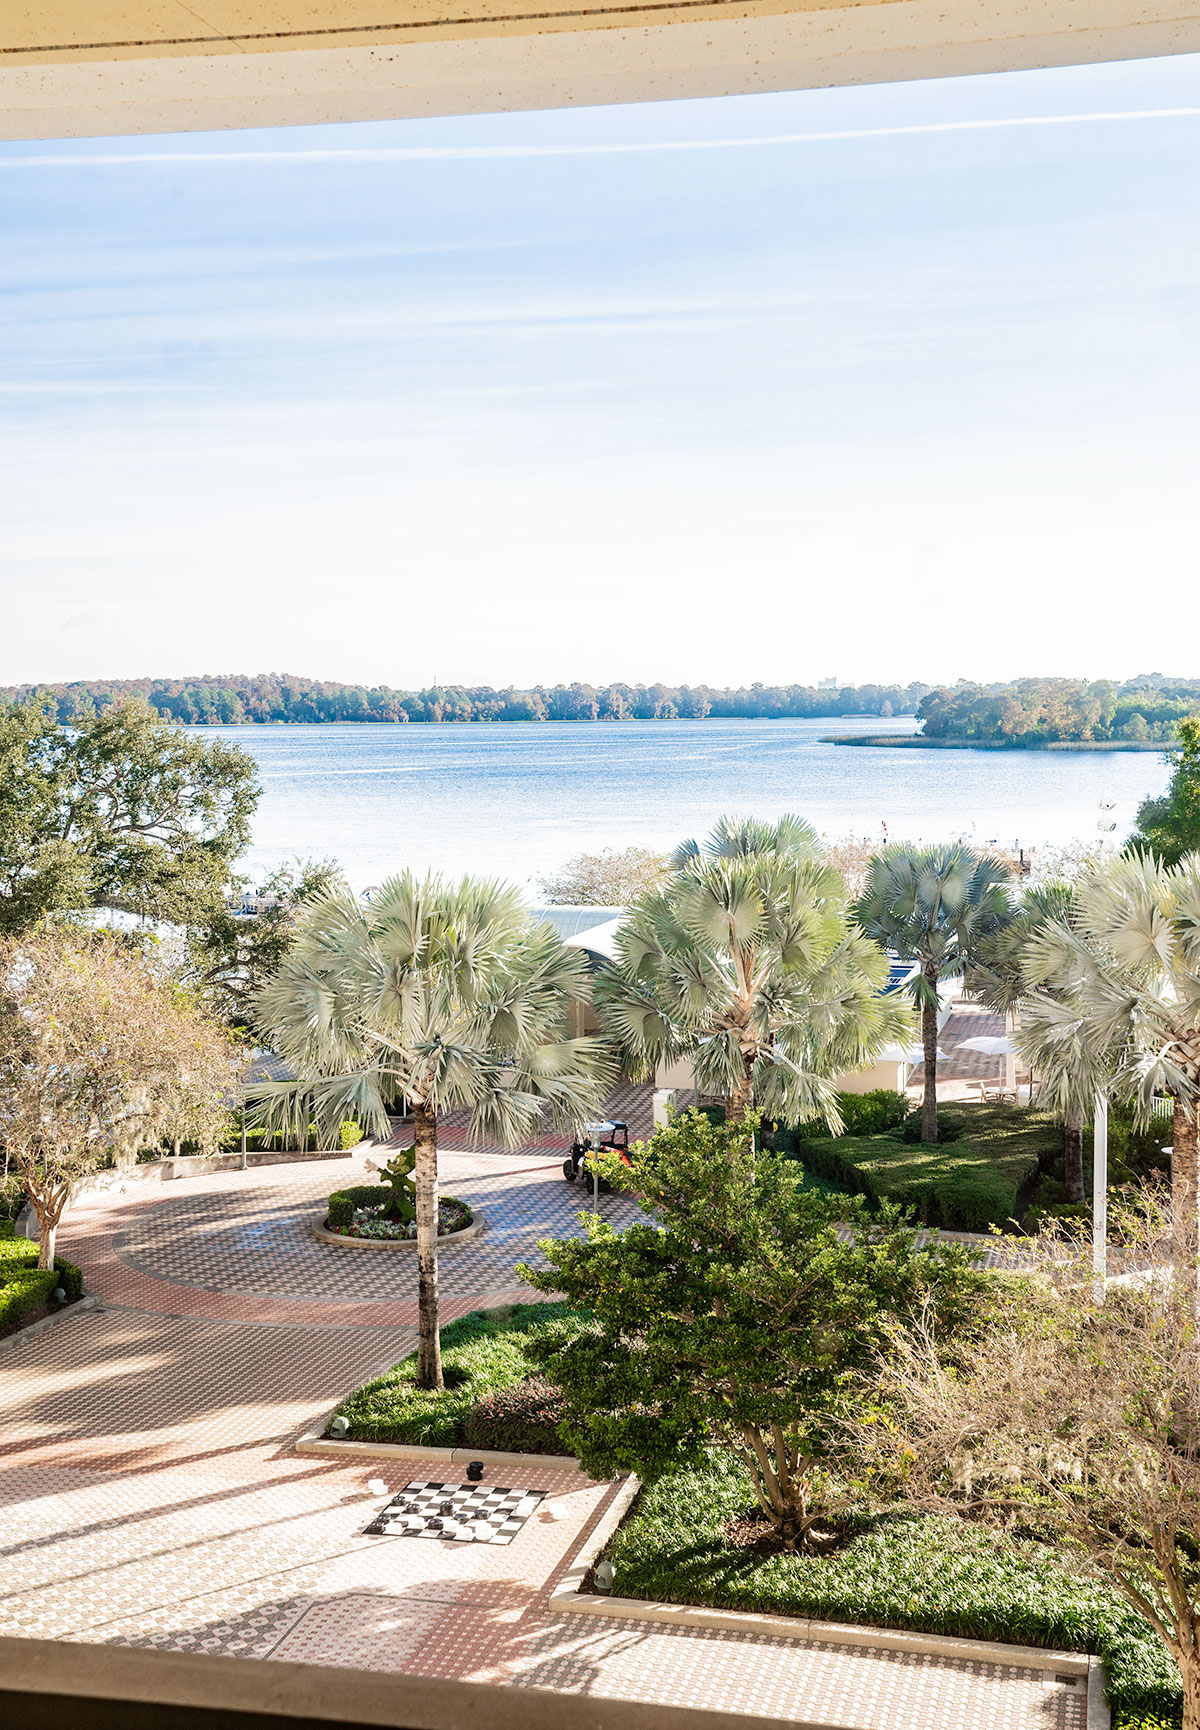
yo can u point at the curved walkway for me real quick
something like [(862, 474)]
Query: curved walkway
[(151, 1493)]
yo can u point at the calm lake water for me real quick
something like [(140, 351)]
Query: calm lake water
[(515, 800)]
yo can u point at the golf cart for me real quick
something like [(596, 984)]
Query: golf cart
[(595, 1138)]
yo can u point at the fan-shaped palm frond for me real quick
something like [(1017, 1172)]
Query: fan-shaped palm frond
[(933, 906), (1115, 997), (744, 962), (446, 994)]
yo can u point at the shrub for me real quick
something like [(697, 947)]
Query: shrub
[(522, 1419), (343, 1202), (24, 1286), (966, 1184), (862, 1114), (70, 1278), (24, 1290), (349, 1133)]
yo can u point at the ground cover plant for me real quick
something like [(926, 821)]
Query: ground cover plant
[(494, 1395), (975, 1176), (688, 1541)]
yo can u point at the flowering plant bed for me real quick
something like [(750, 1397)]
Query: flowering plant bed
[(367, 1214), (372, 1221)]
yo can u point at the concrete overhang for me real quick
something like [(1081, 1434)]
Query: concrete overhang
[(71, 68)]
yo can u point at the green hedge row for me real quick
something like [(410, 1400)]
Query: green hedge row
[(967, 1183), (24, 1286), (862, 1114)]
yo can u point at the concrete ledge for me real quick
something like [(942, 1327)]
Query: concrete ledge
[(318, 1444), (55, 1319), (40, 1680), (568, 1597), (322, 1233)]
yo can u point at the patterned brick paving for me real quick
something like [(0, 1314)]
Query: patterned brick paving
[(151, 1494)]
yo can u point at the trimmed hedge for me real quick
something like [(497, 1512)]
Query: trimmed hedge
[(343, 1202), (482, 1354), (24, 1286), (896, 1569), (522, 1419), (862, 1114), (967, 1183)]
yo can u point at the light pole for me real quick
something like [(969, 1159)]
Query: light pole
[(1100, 1192)]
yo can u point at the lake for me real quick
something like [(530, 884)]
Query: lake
[(513, 800)]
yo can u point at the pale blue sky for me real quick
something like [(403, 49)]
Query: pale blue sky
[(523, 397)]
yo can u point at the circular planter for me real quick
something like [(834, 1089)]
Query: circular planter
[(322, 1232)]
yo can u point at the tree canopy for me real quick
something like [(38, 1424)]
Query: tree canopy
[(736, 1314), (99, 1058), (1169, 826), (119, 809), (933, 906)]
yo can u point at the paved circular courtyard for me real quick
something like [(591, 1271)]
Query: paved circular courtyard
[(152, 1495)]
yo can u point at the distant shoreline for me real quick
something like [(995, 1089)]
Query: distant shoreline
[(906, 742)]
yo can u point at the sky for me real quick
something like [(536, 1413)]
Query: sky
[(884, 383)]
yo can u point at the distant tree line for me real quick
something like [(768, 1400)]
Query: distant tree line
[(226, 699), (1045, 711)]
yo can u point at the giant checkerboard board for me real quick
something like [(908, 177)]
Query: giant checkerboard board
[(464, 1513)]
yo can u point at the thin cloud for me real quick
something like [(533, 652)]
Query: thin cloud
[(493, 152)]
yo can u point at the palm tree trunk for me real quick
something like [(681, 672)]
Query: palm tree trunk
[(929, 1037), (1073, 1153), (429, 1346), (1184, 1187)]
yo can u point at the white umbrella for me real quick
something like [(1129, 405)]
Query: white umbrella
[(996, 1045), (992, 1045), (910, 1054)]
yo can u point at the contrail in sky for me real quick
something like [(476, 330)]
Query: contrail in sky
[(492, 152)]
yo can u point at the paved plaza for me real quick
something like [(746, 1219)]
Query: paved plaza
[(152, 1495)]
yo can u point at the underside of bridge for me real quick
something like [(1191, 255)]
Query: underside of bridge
[(72, 68)]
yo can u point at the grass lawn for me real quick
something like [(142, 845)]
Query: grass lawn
[(482, 1355), (895, 1571), (964, 1184)]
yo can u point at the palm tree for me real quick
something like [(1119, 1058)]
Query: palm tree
[(932, 906), (744, 962), (997, 977), (447, 994), (1115, 996)]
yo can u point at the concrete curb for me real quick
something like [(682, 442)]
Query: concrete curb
[(88, 1302), (567, 1596), (323, 1235), (318, 1444), (1098, 1715)]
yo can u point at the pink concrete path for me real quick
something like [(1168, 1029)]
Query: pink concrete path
[(151, 1493)]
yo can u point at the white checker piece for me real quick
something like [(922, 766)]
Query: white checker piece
[(463, 1513)]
